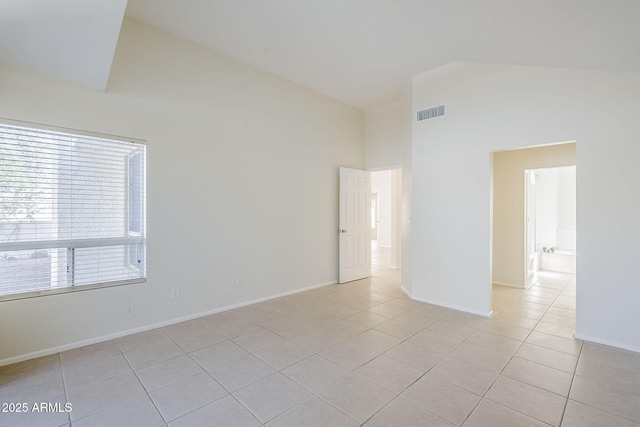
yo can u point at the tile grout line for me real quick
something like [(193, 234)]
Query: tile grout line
[(564, 410), (64, 386)]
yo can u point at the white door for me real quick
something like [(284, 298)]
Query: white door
[(355, 225)]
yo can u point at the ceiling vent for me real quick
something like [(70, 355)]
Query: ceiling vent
[(432, 112)]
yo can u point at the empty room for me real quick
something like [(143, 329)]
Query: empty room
[(194, 231)]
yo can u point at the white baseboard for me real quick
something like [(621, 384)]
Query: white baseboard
[(103, 338), (511, 285), (487, 314), (607, 342), (454, 307)]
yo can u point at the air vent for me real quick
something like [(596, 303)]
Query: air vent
[(432, 112)]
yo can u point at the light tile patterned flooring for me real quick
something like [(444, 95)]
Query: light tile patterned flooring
[(360, 353)]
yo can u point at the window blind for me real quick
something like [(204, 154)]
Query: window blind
[(72, 210)]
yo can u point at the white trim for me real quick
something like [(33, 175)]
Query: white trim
[(69, 289), (453, 307), (77, 344), (71, 243), (615, 344), (488, 314), (511, 285)]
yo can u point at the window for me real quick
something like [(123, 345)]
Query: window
[(72, 211)]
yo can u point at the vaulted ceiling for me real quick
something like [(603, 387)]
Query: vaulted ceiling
[(361, 52)]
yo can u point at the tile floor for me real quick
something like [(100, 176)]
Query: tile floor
[(361, 353)]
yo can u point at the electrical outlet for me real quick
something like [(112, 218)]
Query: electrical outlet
[(239, 281), (322, 266), (175, 292)]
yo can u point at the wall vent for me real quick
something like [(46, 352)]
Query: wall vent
[(431, 112)]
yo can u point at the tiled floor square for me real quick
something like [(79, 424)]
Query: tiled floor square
[(580, 415), (89, 353), (606, 396), (402, 329), (507, 330), (319, 339), (283, 354), (81, 374), (401, 412), (436, 342), (367, 318), (181, 397), (315, 372), (137, 412), (313, 412), (414, 355), (32, 388), (375, 340), (217, 354), (495, 342), (357, 396), (464, 375), (452, 329), (481, 356), (541, 376), (349, 356), (491, 414), (389, 373), (241, 372), (442, 398), (103, 394), (553, 342), (169, 371), (258, 339), (529, 400), (225, 412), (147, 355), (271, 396), (548, 357), (28, 368), (193, 335)]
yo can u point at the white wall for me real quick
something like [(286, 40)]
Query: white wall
[(383, 134), (509, 266), (496, 107), (242, 179)]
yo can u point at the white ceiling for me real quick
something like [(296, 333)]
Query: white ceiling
[(361, 52), (71, 41)]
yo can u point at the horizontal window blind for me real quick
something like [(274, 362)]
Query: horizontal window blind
[(72, 210)]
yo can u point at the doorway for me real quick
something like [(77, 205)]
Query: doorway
[(534, 215), (386, 188), (511, 253)]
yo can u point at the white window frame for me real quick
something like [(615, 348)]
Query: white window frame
[(133, 239)]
